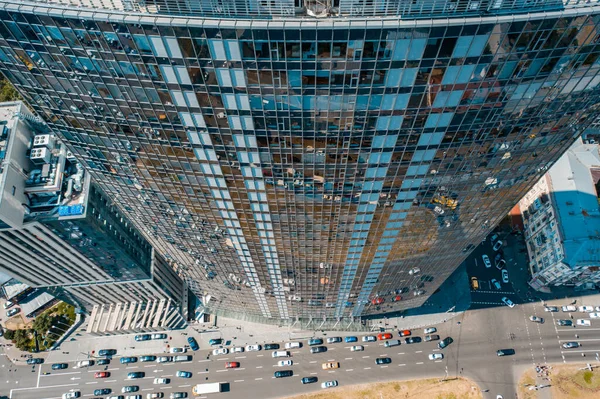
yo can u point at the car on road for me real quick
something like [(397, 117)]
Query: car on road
[(436, 356), (377, 301), (155, 395), (412, 340), (84, 363), (550, 308), (496, 284), (35, 360), (569, 308), (13, 312), (383, 360), (445, 342), (357, 348), (283, 363), (405, 333), (271, 347), (330, 365), (570, 345), (293, 345), (60, 366), (215, 341), (350, 339), (147, 358), (597, 308), (237, 349), (369, 338), (130, 388), (497, 245), (315, 341), (102, 391), (102, 374), (486, 261), (134, 375), (433, 337), (73, 393), (103, 362), (584, 323), (329, 384), (309, 380), (334, 340), (536, 319), (164, 359), (232, 365), (120, 396), (220, 351), (143, 337), (283, 373), (253, 348), (586, 309), (187, 374), (384, 336), (505, 276), (177, 350), (161, 381), (594, 315), (508, 302), (107, 352), (430, 330), (193, 343), (159, 336), (178, 395), (129, 359), (566, 323), (505, 352), (318, 349)]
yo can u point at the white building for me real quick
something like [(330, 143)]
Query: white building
[(562, 221)]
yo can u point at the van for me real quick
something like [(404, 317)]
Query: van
[(85, 363), (391, 342), (281, 354), (293, 345), (474, 283), (182, 358)]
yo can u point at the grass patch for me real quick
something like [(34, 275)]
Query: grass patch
[(569, 382), (527, 380)]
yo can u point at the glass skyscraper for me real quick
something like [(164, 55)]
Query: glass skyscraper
[(309, 159)]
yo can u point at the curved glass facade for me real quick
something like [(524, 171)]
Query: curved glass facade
[(311, 169)]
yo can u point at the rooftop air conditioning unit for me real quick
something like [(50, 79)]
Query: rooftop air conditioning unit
[(40, 155), (43, 140)]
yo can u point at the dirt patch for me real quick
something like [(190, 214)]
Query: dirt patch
[(433, 388), (569, 382), (527, 380), (16, 323)]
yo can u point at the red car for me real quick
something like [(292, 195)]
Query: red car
[(384, 336), (232, 365), (102, 374), (405, 333), (396, 298), (377, 301)]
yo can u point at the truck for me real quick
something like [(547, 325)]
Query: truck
[(214, 387)]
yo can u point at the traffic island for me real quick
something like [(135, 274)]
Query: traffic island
[(427, 388)]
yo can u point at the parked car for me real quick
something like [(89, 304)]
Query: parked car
[(551, 309), (143, 337), (13, 312), (445, 342), (377, 301), (474, 283), (164, 359), (253, 348), (536, 319), (405, 333), (584, 323), (384, 336), (147, 358), (570, 345), (176, 349), (594, 315), (155, 395), (220, 351), (497, 245), (187, 374), (329, 384), (586, 309), (237, 349), (350, 339), (433, 337), (318, 349), (193, 343), (505, 352), (566, 323), (215, 341), (283, 363), (369, 338), (309, 380), (569, 308), (486, 261), (430, 330), (505, 276), (315, 341), (496, 284), (436, 356), (357, 348), (383, 360), (8, 304), (159, 336), (60, 366), (334, 340), (508, 302)]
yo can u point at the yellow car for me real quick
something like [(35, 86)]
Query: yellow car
[(474, 283), (331, 365)]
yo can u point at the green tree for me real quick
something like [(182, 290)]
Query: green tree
[(7, 91), (9, 334), (42, 323), (21, 338)]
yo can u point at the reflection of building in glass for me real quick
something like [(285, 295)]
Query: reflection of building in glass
[(60, 233), (562, 220), (294, 166)]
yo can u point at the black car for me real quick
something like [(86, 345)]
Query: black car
[(383, 360), (193, 343), (102, 391), (143, 337), (505, 352), (318, 349), (413, 340), (433, 337), (283, 373), (564, 323), (445, 342), (59, 366), (271, 347), (147, 358), (35, 360), (309, 380), (103, 362), (135, 374), (107, 352)]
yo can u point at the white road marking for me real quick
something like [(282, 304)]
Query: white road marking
[(348, 358), (438, 361), (366, 357), (259, 355), (259, 367), (350, 370), (91, 382), (206, 360), (240, 357), (238, 380), (419, 363), (403, 364), (259, 378), (367, 368), (221, 371), (184, 386), (313, 373), (150, 365), (419, 352), (132, 367), (314, 361), (401, 353), (383, 367)]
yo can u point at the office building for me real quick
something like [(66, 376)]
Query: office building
[(562, 221), (61, 235), (309, 160)]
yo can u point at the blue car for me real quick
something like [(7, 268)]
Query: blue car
[(315, 341), (215, 341), (127, 360), (193, 344), (351, 339)]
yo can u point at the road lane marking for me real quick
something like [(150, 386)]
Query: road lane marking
[(91, 382), (579, 340), (401, 353), (438, 361), (221, 371), (403, 364), (313, 373), (331, 360), (59, 374), (233, 381), (331, 372), (259, 378), (150, 365), (383, 355), (366, 357), (585, 329), (314, 361), (259, 355), (419, 363), (419, 352), (132, 367), (367, 368), (110, 381), (240, 357), (184, 386), (203, 372), (259, 367), (147, 389), (383, 367), (206, 360), (350, 370), (348, 358)]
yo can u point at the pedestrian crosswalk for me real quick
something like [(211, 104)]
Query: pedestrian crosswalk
[(493, 292)]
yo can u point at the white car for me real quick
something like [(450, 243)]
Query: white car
[(536, 319), (486, 261), (71, 394), (154, 395), (164, 359), (584, 322), (505, 276), (508, 302), (357, 348), (430, 330), (496, 284), (334, 340), (497, 245), (253, 348), (369, 338), (329, 384), (550, 308), (177, 350), (436, 356), (161, 381), (282, 363), (569, 308), (594, 315), (220, 351), (237, 349), (586, 309)]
